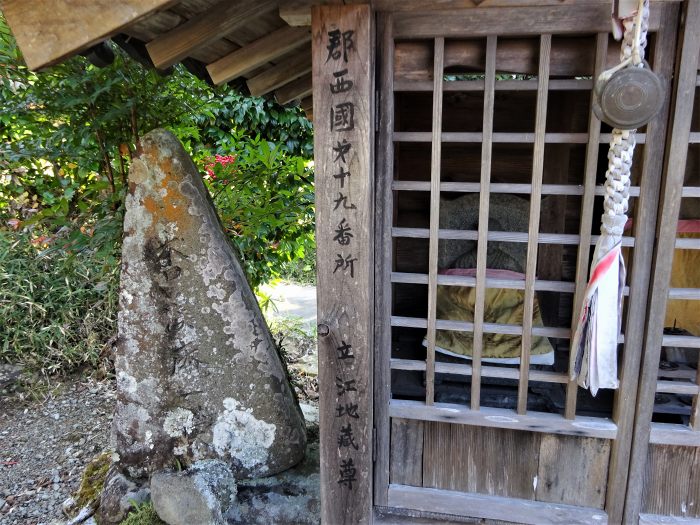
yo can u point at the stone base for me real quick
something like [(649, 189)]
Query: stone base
[(119, 496), (207, 494), (290, 498), (204, 495)]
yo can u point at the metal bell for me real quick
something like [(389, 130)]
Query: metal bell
[(628, 98)]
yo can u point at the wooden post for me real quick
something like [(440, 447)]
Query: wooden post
[(343, 138)]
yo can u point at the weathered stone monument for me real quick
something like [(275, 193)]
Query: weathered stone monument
[(198, 374)]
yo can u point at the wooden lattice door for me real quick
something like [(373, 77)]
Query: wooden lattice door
[(490, 165)]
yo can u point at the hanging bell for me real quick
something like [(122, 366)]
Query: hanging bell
[(627, 98)]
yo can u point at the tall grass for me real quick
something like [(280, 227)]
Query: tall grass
[(57, 309)]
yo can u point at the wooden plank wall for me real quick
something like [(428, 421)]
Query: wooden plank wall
[(671, 481), (516, 464), (343, 140), (407, 452)]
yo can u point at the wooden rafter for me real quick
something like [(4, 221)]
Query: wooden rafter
[(257, 53), (296, 13), (220, 20), (48, 31), (307, 104), (275, 77), (294, 90)]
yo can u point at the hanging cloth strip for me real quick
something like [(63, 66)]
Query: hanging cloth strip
[(596, 336)]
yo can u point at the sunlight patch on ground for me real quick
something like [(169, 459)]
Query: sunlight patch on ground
[(291, 301)]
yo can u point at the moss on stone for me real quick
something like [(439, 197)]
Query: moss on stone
[(143, 514), (93, 481)]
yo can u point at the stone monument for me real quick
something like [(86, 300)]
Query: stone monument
[(198, 373)]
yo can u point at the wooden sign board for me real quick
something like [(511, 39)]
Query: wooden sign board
[(343, 139)]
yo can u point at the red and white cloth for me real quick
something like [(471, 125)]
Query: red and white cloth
[(599, 324)]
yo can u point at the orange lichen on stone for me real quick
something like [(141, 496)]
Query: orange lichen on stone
[(150, 204), (174, 203)]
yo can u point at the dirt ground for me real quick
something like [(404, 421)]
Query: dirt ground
[(45, 446)]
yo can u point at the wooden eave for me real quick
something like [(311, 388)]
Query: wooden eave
[(255, 43), (244, 42)]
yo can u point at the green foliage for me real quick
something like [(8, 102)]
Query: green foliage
[(300, 271), (296, 345), (264, 296), (228, 116), (58, 308), (143, 514), (67, 138), (292, 328), (265, 200), (67, 135)]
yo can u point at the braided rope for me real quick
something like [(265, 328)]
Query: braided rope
[(621, 152)]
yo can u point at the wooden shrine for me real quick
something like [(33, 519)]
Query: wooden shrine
[(459, 170)]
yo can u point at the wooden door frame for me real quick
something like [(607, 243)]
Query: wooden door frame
[(669, 206), (410, 25), (384, 168)]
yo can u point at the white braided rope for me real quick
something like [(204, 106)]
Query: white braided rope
[(621, 152)]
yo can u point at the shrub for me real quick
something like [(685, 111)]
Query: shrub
[(300, 271), (265, 198)]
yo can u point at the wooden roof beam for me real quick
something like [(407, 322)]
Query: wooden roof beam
[(257, 53), (279, 75), (294, 90), (222, 19), (48, 31), (297, 13)]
